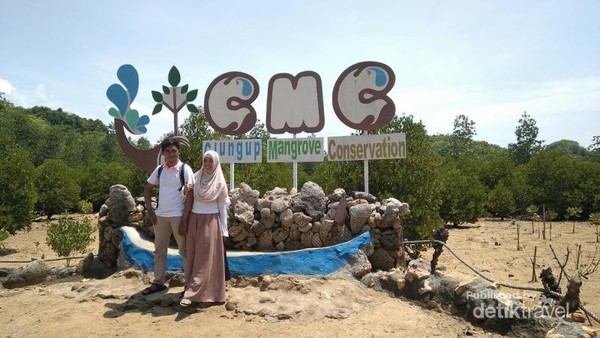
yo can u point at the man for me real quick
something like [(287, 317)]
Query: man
[(174, 179)]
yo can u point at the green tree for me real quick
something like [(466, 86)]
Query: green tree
[(462, 136), (527, 142), (413, 180), (57, 187), (594, 148), (110, 150), (500, 201), (463, 195), (197, 130), (17, 190), (554, 179), (568, 147), (499, 169), (331, 175), (96, 180), (588, 185), (253, 174)]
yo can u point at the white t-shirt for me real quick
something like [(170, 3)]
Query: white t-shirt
[(170, 197)]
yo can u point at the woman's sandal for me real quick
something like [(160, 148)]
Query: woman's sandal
[(186, 306), (153, 288)]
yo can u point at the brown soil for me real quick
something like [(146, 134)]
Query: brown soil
[(319, 307)]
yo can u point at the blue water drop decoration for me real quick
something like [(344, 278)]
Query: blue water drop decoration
[(144, 120), (129, 77), (380, 76), (246, 87), (117, 95)]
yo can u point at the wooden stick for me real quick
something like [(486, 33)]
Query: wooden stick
[(544, 220), (518, 237), (578, 255), (533, 274)]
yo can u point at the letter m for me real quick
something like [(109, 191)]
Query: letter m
[(295, 103)]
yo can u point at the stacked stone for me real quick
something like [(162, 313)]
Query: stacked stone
[(282, 221), (114, 213)]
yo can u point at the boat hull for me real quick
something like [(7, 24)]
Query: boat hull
[(139, 252)]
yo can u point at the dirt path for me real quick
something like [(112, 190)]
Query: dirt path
[(313, 307)]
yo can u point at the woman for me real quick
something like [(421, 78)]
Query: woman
[(205, 228)]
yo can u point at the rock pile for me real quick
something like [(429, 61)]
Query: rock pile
[(481, 303), (114, 213)]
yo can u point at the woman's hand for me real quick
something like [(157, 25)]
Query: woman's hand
[(151, 215), (182, 228), (187, 188)]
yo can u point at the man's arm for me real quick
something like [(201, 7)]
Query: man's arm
[(148, 202)]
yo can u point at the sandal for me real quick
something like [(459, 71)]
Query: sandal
[(185, 306), (153, 288)]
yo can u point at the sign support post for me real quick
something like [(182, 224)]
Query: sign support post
[(232, 171), (366, 175)]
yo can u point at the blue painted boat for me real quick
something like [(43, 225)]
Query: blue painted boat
[(313, 261)]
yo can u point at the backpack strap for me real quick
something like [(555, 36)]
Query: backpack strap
[(160, 169), (182, 175)]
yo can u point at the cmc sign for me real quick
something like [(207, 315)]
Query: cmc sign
[(294, 105), (295, 102)]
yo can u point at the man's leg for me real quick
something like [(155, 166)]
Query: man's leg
[(162, 235)]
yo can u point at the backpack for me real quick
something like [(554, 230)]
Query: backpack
[(181, 174)]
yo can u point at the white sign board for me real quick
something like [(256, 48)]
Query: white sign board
[(236, 151), (366, 147), (295, 150)]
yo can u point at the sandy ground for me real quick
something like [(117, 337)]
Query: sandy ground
[(291, 306)]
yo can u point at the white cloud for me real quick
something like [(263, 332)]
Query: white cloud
[(6, 87), (37, 97)]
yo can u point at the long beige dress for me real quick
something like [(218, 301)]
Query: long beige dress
[(204, 266)]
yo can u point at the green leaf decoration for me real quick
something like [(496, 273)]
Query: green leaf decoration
[(157, 109), (184, 89), (131, 118), (174, 77), (157, 96), (191, 96), (166, 90), (114, 113), (192, 108)]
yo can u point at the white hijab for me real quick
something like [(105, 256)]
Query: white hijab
[(211, 186)]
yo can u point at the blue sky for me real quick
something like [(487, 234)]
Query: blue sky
[(489, 60)]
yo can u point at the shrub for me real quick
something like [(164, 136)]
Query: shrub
[(3, 236), (86, 207), (67, 236)]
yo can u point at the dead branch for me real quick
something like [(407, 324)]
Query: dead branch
[(592, 267), (563, 265)]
